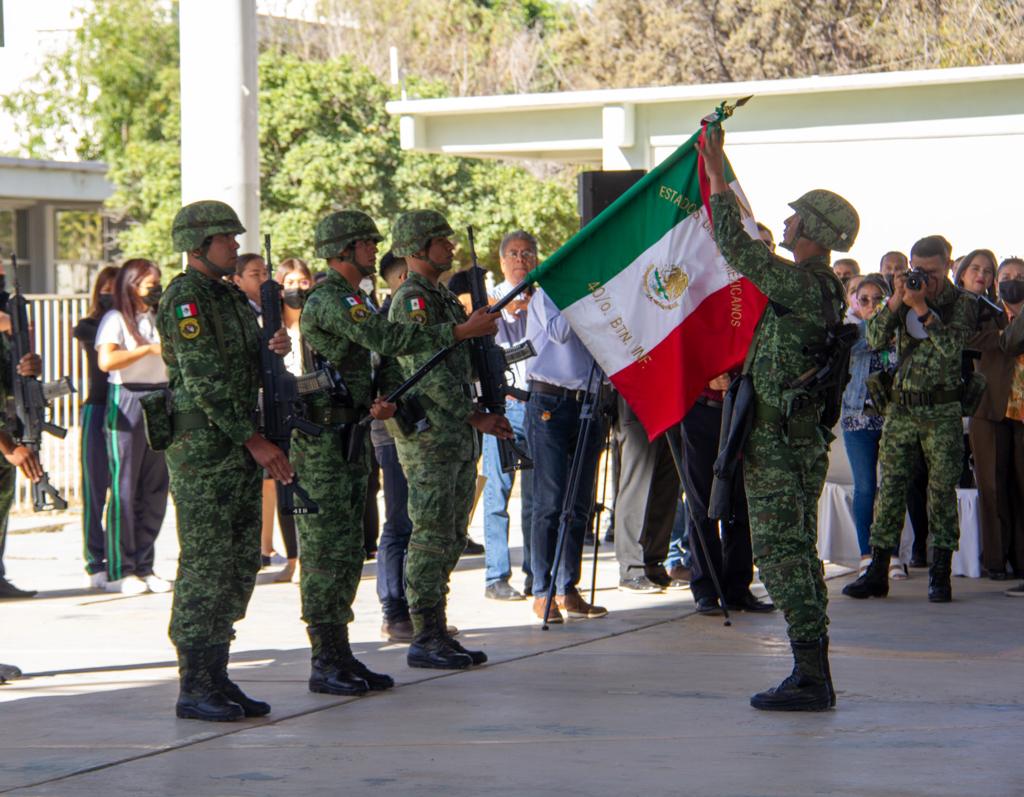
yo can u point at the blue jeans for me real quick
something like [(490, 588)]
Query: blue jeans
[(862, 451), (678, 545), (552, 426), (394, 536), (496, 492)]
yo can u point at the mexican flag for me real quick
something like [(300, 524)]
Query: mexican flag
[(647, 291)]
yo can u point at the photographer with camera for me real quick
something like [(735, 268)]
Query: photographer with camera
[(931, 321)]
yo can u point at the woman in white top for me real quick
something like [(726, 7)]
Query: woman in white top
[(128, 349)]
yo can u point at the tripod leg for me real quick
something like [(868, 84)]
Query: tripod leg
[(600, 508), (677, 457)]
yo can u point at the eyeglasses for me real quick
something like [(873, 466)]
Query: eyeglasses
[(868, 301), (514, 254)]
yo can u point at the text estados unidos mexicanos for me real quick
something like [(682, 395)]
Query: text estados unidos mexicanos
[(618, 327)]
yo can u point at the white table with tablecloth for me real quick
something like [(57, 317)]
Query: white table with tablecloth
[(837, 534)]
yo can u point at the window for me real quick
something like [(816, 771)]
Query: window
[(79, 249), (8, 239)]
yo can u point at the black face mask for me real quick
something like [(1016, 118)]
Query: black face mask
[(152, 299), (3, 281), (106, 301), (295, 298), (1012, 291)]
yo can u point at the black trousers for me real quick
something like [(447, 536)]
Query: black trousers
[(730, 553)]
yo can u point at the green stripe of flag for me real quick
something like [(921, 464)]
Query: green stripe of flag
[(625, 229)]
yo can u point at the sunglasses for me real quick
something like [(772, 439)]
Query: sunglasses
[(868, 301)]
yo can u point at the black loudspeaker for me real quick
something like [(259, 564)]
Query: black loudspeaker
[(597, 190)]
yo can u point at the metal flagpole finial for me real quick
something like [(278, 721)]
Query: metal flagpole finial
[(724, 110)]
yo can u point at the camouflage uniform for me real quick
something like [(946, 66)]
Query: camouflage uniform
[(339, 324), (440, 463), (929, 371), (8, 472), (211, 346), (784, 479)]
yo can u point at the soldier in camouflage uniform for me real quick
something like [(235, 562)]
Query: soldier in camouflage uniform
[(931, 326), (15, 455), (439, 463), (341, 325), (211, 346), (786, 456)]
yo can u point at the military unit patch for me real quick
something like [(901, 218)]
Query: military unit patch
[(189, 327), (418, 310), (188, 310), (357, 309)]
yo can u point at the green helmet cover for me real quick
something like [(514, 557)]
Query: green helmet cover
[(337, 232), (828, 219), (412, 230), (196, 222)]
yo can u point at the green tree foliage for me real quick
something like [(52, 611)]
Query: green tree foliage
[(326, 141)]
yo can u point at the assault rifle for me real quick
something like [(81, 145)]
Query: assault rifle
[(282, 408), (491, 363), (32, 398)]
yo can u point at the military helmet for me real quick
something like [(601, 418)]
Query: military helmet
[(412, 230), (194, 223), (337, 232), (829, 220)]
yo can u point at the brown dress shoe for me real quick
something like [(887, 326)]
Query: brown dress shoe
[(554, 616), (397, 631), (574, 606)]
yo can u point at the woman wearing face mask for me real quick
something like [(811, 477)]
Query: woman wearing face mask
[(997, 427), (128, 349), (861, 421), (94, 463), (294, 276)]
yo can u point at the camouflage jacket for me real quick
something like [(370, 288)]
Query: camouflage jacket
[(339, 323), (933, 363), (794, 318), (211, 344), (443, 391)]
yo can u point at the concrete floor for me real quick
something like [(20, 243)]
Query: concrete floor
[(649, 700)]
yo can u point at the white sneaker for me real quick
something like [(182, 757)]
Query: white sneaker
[(897, 572), (864, 562), (98, 580), (156, 584), (129, 585)]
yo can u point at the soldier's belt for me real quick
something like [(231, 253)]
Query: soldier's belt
[(767, 413), (933, 398), (332, 416), (189, 421)]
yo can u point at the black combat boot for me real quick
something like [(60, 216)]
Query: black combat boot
[(430, 648), (940, 590), (198, 697), (478, 656), (218, 664), (875, 581), (325, 676), (808, 687), (347, 662)]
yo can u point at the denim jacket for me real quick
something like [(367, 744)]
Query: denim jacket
[(856, 392)]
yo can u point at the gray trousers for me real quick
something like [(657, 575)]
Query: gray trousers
[(646, 501)]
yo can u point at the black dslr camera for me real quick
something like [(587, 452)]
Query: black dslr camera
[(916, 280)]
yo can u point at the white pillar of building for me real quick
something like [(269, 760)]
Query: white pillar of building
[(219, 108)]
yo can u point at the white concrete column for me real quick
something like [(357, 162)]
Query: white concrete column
[(618, 137), (219, 108)]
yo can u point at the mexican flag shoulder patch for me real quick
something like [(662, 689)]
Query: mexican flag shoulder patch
[(417, 303), (187, 310)]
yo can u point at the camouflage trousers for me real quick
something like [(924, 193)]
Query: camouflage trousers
[(330, 542), (783, 484), (440, 499), (8, 475), (939, 432), (217, 494)]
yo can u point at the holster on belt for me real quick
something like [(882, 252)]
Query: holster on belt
[(156, 418), (344, 422)]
